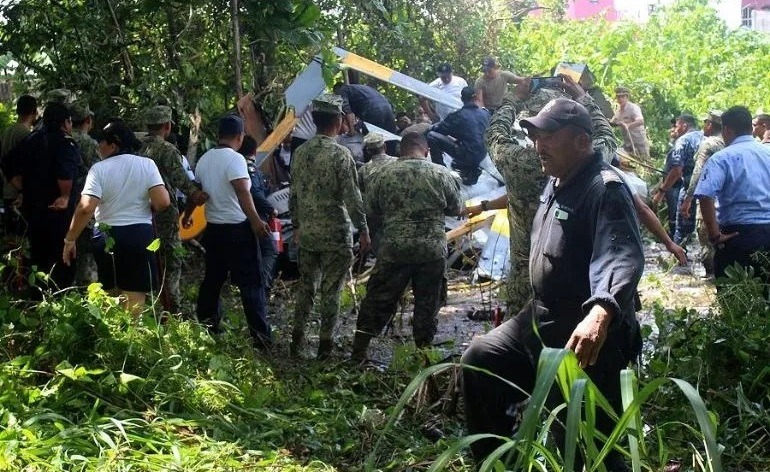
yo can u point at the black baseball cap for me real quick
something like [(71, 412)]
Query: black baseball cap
[(468, 93), (559, 113), (444, 68), (230, 125)]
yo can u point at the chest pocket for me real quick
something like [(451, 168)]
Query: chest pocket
[(555, 243)]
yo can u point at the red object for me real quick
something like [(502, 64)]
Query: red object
[(276, 229), (497, 320)]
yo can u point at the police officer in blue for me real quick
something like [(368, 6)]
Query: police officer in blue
[(737, 176), (461, 135), (680, 163), (259, 191), (586, 260)]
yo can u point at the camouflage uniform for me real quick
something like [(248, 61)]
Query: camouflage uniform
[(516, 159), (324, 199), (85, 265), (708, 147), (365, 175), (411, 197), (169, 162)]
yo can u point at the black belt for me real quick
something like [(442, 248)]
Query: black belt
[(745, 228)]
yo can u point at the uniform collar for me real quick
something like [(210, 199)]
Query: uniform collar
[(577, 174)]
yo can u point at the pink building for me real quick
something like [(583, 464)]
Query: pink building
[(582, 9), (755, 14)]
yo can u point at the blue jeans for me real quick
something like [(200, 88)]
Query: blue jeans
[(233, 250)]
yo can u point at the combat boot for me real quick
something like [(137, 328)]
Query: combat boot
[(324, 349), (297, 342), (360, 346)]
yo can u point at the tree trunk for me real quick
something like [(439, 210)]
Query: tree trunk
[(236, 50), (192, 145)]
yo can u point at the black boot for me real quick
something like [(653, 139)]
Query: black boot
[(297, 342), (360, 346), (324, 349)]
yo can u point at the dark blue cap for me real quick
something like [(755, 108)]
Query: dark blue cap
[(230, 125)]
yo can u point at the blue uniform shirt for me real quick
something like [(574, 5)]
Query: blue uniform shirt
[(683, 154), (467, 125), (738, 176)]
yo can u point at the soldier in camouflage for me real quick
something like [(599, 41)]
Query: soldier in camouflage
[(514, 155), (374, 146), (713, 142), (324, 199), (411, 198), (82, 122), (169, 162)]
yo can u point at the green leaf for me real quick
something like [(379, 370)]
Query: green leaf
[(154, 245)]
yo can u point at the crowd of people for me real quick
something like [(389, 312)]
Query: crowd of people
[(576, 251)]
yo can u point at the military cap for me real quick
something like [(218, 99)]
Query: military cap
[(60, 95), (374, 140), (714, 116), (157, 115), (328, 103), (559, 113), (80, 111), (622, 91)]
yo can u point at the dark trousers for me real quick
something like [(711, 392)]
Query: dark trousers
[(750, 239), (466, 165), (383, 117), (672, 204), (386, 287), (684, 226), (234, 250), (46, 231), (512, 351), (269, 254)]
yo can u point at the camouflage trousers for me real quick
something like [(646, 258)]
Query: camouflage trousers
[(322, 273), (518, 287), (386, 287), (170, 258), (85, 263), (706, 255)]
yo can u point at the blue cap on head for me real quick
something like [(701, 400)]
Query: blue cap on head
[(230, 125)]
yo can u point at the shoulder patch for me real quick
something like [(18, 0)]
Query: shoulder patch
[(610, 176)]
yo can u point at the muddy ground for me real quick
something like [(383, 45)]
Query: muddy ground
[(673, 287)]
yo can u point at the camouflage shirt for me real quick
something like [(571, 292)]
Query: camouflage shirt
[(368, 170), (89, 153), (514, 154), (324, 195), (707, 148), (411, 198), (169, 162)]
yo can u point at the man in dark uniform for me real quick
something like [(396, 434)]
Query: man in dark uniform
[(370, 106), (466, 128), (586, 259), (43, 171), (259, 192)]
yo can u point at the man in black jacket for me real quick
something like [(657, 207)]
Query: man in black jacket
[(461, 135), (586, 260)]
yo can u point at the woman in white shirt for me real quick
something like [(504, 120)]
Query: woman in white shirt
[(122, 190)]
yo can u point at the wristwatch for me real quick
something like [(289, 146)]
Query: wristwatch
[(484, 206)]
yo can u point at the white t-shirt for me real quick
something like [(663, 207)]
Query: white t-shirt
[(122, 184), (454, 87), (215, 170)]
